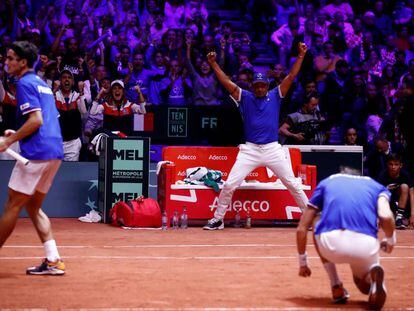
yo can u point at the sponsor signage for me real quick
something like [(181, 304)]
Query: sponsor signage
[(177, 122), (123, 171)]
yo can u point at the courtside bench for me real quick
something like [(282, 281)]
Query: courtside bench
[(264, 195)]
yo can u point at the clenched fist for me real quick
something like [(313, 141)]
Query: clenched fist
[(211, 57)]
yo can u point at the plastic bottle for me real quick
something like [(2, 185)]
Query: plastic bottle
[(175, 220), (184, 219), (237, 219), (164, 220), (248, 220), (302, 174)]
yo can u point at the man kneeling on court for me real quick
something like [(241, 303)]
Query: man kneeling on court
[(346, 232), (41, 143)]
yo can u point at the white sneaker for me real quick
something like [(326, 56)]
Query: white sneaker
[(92, 216)]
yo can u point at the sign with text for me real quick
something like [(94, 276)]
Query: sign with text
[(177, 122), (123, 171)]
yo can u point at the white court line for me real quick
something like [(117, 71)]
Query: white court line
[(175, 246), (188, 257), (157, 246), (216, 309)]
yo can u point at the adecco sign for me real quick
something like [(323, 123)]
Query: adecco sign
[(247, 205)]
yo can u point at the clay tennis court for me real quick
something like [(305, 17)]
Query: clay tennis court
[(233, 269)]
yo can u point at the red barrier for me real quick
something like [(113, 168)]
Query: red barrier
[(265, 200)]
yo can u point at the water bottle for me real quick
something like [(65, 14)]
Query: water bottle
[(237, 219), (184, 219), (164, 220), (248, 220), (302, 174), (175, 220)]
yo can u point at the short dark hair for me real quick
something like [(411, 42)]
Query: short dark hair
[(25, 50), (394, 157), (311, 95)]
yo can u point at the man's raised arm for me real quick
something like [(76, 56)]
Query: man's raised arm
[(229, 85), (287, 82)]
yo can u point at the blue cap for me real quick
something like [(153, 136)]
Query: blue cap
[(260, 77)]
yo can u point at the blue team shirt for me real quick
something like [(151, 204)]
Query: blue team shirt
[(33, 94), (260, 116), (348, 202)]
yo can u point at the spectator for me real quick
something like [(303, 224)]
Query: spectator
[(304, 127), (138, 75), (321, 25), (71, 106), (118, 112), (276, 74), (400, 184), (356, 109), (350, 137), (284, 36), (119, 68), (204, 82), (174, 12), (95, 121), (339, 6), (354, 39), (400, 67), (376, 159), (373, 124), (381, 20), (324, 64), (333, 100), (175, 88), (401, 41), (157, 29), (368, 21), (196, 15)]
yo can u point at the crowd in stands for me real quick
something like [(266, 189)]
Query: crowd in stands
[(106, 60)]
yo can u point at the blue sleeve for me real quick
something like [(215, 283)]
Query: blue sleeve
[(383, 191), (27, 99), (245, 96), (317, 197), (275, 93)]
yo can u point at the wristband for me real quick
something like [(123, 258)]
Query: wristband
[(391, 240), (303, 259)]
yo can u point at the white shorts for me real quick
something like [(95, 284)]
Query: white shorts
[(359, 250), (36, 176)]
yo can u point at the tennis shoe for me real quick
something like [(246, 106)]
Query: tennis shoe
[(377, 293), (214, 224), (339, 294), (48, 268)]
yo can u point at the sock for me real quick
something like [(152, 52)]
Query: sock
[(51, 251), (400, 213), (332, 273)]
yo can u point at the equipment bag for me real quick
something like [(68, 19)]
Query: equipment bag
[(141, 212)]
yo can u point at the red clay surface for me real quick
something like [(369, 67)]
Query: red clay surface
[(233, 269)]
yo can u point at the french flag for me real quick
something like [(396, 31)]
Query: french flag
[(144, 122)]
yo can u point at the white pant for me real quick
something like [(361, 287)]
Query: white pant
[(71, 149), (360, 251), (250, 157)]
